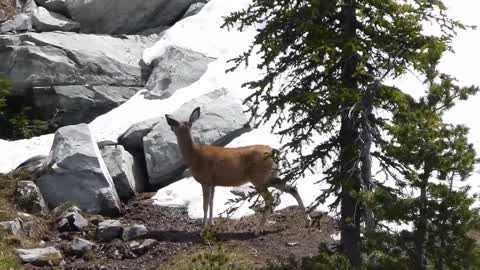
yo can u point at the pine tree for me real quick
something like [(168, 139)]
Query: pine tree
[(432, 155), (334, 56)]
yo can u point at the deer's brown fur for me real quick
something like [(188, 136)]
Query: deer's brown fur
[(219, 166)]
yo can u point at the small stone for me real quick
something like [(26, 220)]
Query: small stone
[(48, 256), (13, 227), (140, 248), (72, 222), (64, 209), (108, 230), (29, 198), (292, 244), (133, 232), (80, 247)]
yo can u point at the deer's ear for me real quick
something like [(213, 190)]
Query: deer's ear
[(194, 116), (171, 122)]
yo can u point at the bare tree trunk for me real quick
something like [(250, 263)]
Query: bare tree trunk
[(365, 157), (350, 208)]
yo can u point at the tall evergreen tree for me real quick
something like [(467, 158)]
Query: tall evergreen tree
[(432, 155), (332, 53)]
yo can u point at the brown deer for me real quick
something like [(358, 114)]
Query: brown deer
[(218, 166)]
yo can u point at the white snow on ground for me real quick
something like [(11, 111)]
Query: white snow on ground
[(202, 33)]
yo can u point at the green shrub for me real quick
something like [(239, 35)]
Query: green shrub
[(17, 121), (228, 257)]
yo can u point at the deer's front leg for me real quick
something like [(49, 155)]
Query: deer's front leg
[(211, 195), (206, 195)]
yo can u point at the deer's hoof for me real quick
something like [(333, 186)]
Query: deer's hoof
[(308, 222)]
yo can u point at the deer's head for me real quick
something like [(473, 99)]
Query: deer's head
[(182, 127)]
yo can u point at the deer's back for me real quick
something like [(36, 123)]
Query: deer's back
[(221, 166)]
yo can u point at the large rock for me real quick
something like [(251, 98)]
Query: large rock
[(222, 119), (193, 9), (126, 174), (49, 256), (58, 6), (77, 173), (132, 139), (125, 16), (44, 21), (20, 19), (29, 198), (20, 22), (66, 58), (74, 104), (35, 166), (175, 69)]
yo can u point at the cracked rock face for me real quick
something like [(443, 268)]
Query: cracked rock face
[(61, 58), (44, 21), (221, 120), (125, 16), (75, 104)]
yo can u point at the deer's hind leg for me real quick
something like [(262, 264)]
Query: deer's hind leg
[(280, 185), (268, 209)]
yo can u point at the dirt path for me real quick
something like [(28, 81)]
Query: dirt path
[(179, 235)]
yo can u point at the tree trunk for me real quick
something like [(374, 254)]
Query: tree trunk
[(421, 235), (350, 208), (365, 157), (349, 176)]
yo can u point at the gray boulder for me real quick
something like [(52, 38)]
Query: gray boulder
[(24, 224), (108, 230), (48, 256), (193, 9), (29, 198), (74, 104), (67, 58), (125, 16), (78, 174), (125, 172), (175, 69), (133, 232), (35, 166), (79, 247), (13, 227), (45, 21), (222, 119), (58, 6), (19, 22), (132, 139), (72, 221)]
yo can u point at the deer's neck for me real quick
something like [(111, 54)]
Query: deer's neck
[(187, 149)]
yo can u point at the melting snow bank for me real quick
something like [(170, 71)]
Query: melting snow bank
[(15, 152)]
